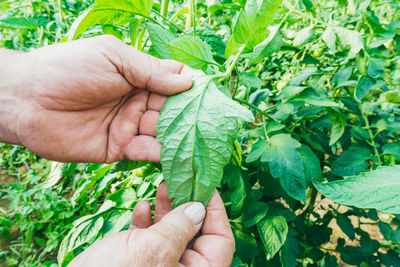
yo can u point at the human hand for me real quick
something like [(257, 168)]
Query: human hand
[(92, 100), (170, 241)]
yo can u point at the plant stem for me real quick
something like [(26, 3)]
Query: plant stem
[(367, 126), (62, 15), (171, 25), (164, 7), (265, 128), (248, 104), (235, 60), (191, 19)]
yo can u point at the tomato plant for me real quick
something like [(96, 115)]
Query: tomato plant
[(294, 115)]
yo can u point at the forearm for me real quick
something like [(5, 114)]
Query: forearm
[(10, 76)]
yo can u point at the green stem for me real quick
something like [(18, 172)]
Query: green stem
[(171, 25), (372, 143), (164, 7), (62, 15), (191, 19), (193, 16), (235, 60), (265, 128)]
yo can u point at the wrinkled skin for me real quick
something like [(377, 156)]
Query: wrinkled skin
[(98, 100), (92, 100), (167, 242)]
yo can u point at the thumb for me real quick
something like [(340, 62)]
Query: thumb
[(180, 226), (166, 77)]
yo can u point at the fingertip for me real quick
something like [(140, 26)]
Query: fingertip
[(141, 216), (163, 203), (156, 101), (216, 200), (143, 148)]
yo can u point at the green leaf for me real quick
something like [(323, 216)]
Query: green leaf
[(253, 21), (254, 212), (124, 197), (102, 186), (236, 191), (257, 150), (352, 39), (393, 97), (79, 235), (250, 80), (126, 165), (273, 231), (338, 125), (160, 38), (292, 90), (266, 48), (134, 27), (19, 23), (392, 149), (291, 250), (352, 161), (197, 129), (303, 75), (285, 163), (378, 189), (329, 38), (246, 244), (303, 36), (341, 76), (347, 227), (311, 164), (116, 222), (363, 86), (191, 51), (311, 97), (108, 12), (89, 182)]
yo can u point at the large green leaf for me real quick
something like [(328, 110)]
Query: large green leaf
[(108, 12), (350, 38), (311, 164), (273, 231), (285, 163), (352, 161), (79, 235), (303, 36), (19, 23), (392, 149), (192, 51), (338, 125), (252, 25), (197, 129), (236, 191), (160, 38), (291, 250), (271, 44), (378, 189), (363, 86), (329, 38)]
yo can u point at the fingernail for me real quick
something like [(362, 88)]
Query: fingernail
[(196, 212)]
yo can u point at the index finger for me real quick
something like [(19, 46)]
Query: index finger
[(216, 221)]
